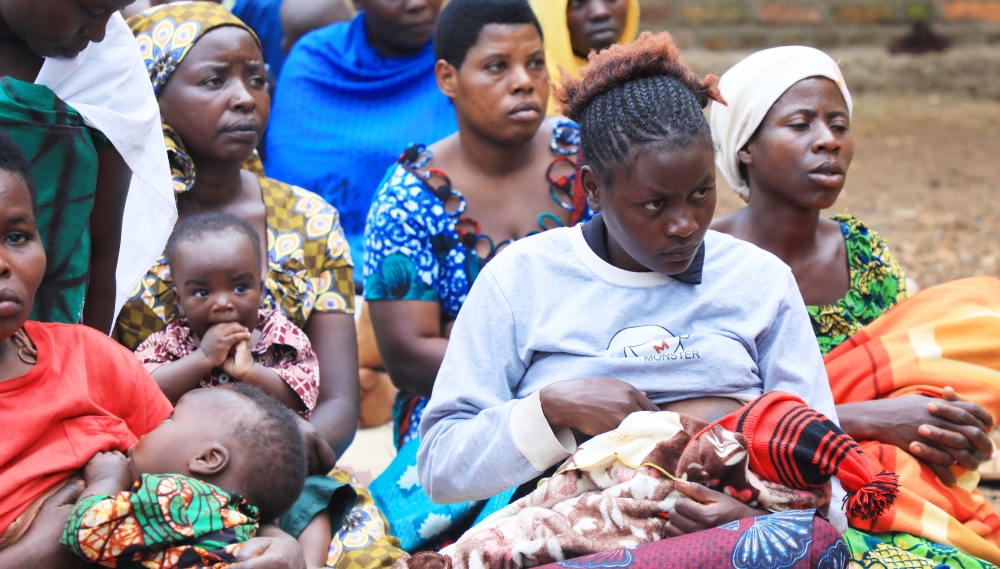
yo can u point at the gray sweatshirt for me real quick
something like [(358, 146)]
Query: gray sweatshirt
[(548, 309)]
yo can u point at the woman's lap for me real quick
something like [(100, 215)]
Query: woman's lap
[(787, 540)]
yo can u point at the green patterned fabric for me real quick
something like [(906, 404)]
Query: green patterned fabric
[(904, 551), (165, 521), (63, 155), (877, 284)]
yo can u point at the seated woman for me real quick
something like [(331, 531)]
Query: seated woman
[(352, 95), (66, 393), (72, 95), (215, 106), (443, 211), (786, 146), (641, 308), (575, 28)]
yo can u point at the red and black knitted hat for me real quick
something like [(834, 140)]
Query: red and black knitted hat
[(791, 444)]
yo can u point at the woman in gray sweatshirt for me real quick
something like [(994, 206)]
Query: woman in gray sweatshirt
[(642, 308)]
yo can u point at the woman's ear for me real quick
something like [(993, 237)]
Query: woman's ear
[(447, 77), (211, 461), (591, 187), (744, 155)]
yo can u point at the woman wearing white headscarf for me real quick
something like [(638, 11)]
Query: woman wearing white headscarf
[(785, 146)]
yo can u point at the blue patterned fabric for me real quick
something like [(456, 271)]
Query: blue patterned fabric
[(417, 522), (342, 112), (413, 250)]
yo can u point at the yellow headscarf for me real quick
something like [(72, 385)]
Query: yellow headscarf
[(551, 15)]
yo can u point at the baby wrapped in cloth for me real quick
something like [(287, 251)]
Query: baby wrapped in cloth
[(615, 491)]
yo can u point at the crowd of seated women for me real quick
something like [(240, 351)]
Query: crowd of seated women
[(490, 221)]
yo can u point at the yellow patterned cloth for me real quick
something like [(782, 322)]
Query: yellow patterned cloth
[(363, 541), (166, 33)]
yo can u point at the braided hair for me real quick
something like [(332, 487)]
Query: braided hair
[(630, 96)]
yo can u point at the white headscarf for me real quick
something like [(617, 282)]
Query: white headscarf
[(108, 85), (751, 87)]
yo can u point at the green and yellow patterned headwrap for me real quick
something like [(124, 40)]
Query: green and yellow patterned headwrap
[(166, 33)]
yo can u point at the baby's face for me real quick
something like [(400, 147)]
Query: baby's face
[(200, 419), (218, 281)]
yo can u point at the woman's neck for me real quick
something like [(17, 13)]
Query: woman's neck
[(788, 231), (491, 159), (216, 185)]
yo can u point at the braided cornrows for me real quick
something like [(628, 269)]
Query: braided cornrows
[(632, 95)]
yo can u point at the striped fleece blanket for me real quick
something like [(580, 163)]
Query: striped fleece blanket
[(948, 335)]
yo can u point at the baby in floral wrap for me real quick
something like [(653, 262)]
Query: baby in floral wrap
[(193, 490)]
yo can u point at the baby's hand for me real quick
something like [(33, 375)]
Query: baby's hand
[(220, 339), (239, 364), (111, 465)]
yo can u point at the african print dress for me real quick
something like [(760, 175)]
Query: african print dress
[(877, 284), (63, 155), (417, 248), (165, 521)]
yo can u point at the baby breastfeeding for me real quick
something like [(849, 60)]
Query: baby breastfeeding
[(621, 489)]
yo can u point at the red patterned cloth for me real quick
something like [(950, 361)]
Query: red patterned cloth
[(281, 347)]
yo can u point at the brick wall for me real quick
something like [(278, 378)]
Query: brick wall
[(753, 24)]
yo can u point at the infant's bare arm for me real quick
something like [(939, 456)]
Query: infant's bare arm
[(106, 473)]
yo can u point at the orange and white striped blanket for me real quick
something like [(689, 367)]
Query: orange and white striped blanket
[(948, 335)]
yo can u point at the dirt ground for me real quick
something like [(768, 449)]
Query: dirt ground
[(926, 177)]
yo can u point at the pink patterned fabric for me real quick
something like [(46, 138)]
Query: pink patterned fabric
[(281, 347)]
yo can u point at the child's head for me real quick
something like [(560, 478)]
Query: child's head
[(59, 28), (649, 160), (22, 256), (239, 438), (215, 261)]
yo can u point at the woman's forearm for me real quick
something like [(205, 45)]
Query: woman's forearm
[(414, 368), (113, 178), (858, 420), (334, 339)]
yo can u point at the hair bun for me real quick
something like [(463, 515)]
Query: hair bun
[(649, 56)]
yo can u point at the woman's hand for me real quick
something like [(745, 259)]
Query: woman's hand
[(40, 545), (272, 549), (321, 457), (591, 406), (939, 432), (703, 508)]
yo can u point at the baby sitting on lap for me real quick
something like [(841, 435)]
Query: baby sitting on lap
[(225, 335), (193, 490)]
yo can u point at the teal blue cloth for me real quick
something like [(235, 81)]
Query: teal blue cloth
[(319, 493), (419, 523)]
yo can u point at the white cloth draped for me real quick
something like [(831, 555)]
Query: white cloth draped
[(108, 84)]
